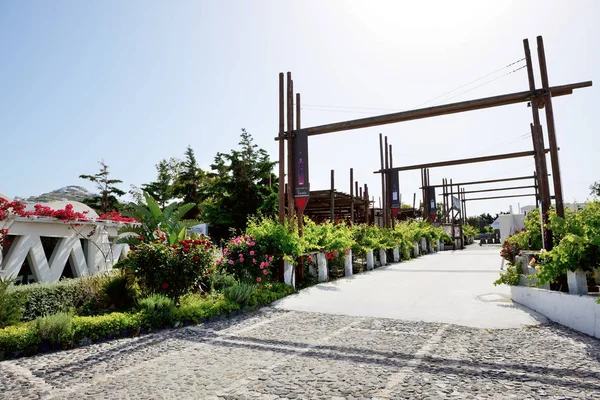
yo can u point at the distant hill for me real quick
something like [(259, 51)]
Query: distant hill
[(73, 193)]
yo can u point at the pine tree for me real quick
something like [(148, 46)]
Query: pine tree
[(107, 200)]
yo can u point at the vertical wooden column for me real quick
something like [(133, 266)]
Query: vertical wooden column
[(332, 199), (549, 111), (300, 269), (281, 151), (352, 195), (538, 143), (290, 146), (382, 175), (367, 212), (385, 194), (392, 218), (537, 194)]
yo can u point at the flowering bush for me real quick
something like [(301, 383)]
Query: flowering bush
[(171, 270), (243, 259), (116, 217), (66, 215)]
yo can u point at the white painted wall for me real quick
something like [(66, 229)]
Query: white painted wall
[(578, 312)]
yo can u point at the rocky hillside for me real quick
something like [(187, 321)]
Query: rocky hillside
[(74, 193)]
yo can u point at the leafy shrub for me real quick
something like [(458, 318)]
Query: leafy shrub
[(171, 270), (243, 260), (273, 238), (221, 280), (82, 294), (10, 305), (107, 325), (240, 294), (117, 293), (194, 308), (23, 337), (269, 293), (57, 329), (326, 236), (157, 311), (511, 277)]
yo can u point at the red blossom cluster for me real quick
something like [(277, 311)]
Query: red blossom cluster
[(12, 207), (66, 215), (330, 255), (3, 241), (115, 216)]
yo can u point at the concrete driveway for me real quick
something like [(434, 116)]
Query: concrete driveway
[(454, 287)]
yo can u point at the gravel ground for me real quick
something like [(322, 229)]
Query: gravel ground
[(279, 354)]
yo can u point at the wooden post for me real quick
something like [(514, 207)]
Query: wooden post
[(385, 194), (538, 143), (383, 174), (332, 205), (537, 194), (414, 201), (290, 146), (352, 195), (300, 268), (281, 151), (366, 193), (558, 195), (392, 218)]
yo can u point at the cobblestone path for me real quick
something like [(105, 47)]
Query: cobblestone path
[(278, 354)]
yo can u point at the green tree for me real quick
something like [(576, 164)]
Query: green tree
[(107, 200), (243, 185), (190, 183), (162, 188), (595, 189)]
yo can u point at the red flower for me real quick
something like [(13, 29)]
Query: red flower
[(196, 258), (141, 238), (165, 285)]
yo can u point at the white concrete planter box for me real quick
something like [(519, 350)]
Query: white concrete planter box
[(370, 260), (580, 313), (288, 274), (437, 245), (348, 264), (322, 265), (382, 257), (577, 282), (423, 244), (415, 249), (396, 254)]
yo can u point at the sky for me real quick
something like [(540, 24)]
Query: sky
[(138, 81)]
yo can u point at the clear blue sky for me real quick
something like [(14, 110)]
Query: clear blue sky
[(132, 82)]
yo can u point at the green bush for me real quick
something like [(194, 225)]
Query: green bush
[(10, 305), (193, 308), (107, 325), (511, 277), (22, 337), (86, 295), (171, 270), (57, 329), (220, 280), (157, 311), (270, 293), (240, 294)]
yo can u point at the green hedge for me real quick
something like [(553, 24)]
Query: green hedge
[(63, 331), (88, 295)]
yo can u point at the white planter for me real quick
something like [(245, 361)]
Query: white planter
[(348, 264), (288, 274), (396, 254), (577, 282), (312, 270), (370, 260), (322, 264), (415, 249), (437, 245), (580, 313), (423, 244), (382, 257)]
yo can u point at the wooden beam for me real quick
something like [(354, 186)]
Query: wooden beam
[(518, 178), (452, 108), (497, 189), (464, 161), (501, 197)]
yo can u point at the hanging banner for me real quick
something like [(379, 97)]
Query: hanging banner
[(395, 190), (456, 203), (432, 206), (300, 159)]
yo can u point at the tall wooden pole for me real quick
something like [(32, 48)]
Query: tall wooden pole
[(352, 195), (385, 195), (558, 195), (367, 213), (281, 151), (290, 146), (300, 268), (389, 184), (332, 199), (538, 140), (382, 175)]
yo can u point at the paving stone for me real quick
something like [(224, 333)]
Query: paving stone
[(276, 354)]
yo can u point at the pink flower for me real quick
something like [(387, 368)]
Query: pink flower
[(262, 265), (254, 260), (266, 264), (252, 243), (241, 259), (225, 250), (258, 279), (230, 262), (251, 252), (246, 237), (270, 258), (265, 271), (241, 255)]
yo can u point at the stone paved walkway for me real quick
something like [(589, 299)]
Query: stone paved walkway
[(287, 354)]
